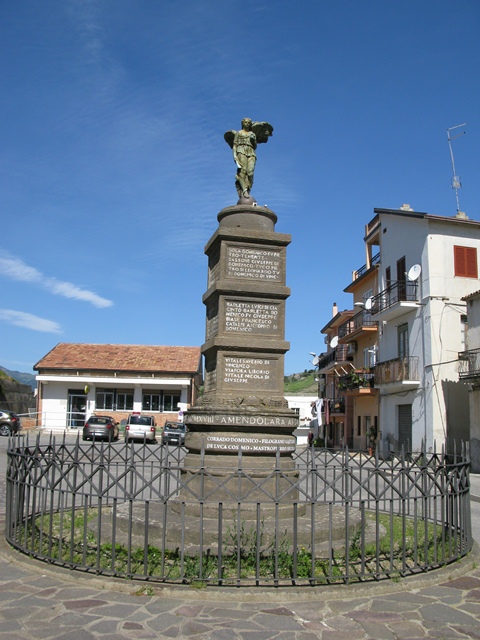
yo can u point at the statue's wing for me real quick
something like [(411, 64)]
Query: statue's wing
[(229, 137), (262, 131)]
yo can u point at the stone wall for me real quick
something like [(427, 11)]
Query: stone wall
[(15, 396)]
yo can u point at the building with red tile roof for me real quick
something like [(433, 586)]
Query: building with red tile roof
[(76, 380)]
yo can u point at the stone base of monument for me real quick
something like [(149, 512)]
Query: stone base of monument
[(262, 479), (187, 534)]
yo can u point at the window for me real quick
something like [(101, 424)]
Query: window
[(368, 294), (171, 400), (369, 357), (114, 400), (464, 330), (359, 425), (465, 261), (161, 401), (105, 399), (125, 400), (151, 401)]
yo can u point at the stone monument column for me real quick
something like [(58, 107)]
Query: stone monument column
[(243, 406)]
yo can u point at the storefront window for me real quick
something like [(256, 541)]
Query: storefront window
[(151, 401)]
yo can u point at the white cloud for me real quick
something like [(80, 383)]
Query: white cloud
[(17, 270), (69, 290), (29, 321)]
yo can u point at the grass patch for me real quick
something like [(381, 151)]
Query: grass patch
[(405, 545), (300, 382)]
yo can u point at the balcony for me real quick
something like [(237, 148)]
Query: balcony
[(400, 374), (360, 272), (337, 356), (358, 325), (358, 383), (396, 300), (469, 364)]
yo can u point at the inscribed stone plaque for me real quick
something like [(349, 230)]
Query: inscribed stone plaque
[(249, 443), (252, 317), (249, 373), (254, 263)]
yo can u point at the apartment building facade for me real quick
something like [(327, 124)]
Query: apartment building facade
[(408, 328), (469, 373), (335, 422)]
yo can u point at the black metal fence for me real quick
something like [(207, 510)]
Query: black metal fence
[(133, 511)]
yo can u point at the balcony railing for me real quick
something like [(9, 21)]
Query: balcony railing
[(339, 354), (359, 320), (356, 380), (400, 291), (469, 364), (359, 272), (397, 370)]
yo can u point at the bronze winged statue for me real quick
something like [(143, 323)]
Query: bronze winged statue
[(244, 143)]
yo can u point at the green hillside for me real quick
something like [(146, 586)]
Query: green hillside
[(19, 376), (301, 384)]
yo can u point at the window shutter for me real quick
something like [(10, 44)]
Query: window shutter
[(465, 262), (471, 260)]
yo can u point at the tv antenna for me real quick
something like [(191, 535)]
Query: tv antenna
[(456, 182)]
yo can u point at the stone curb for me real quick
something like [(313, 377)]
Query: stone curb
[(366, 590)]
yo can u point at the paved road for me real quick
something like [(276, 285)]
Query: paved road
[(44, 602)]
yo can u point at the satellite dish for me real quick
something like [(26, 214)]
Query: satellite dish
[(368, 304), (315, 361), (334, 342), (414, 272)]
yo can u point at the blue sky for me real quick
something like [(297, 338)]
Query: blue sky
[(114, 167)]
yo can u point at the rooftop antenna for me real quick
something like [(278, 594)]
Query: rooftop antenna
[(456, 182)]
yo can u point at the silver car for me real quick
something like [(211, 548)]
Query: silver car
[(140, 427)]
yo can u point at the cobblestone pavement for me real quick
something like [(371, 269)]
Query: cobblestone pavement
[(45, 602)]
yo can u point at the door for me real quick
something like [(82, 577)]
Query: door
[(401, 279), (404, 418), (403, 361), (77, 406), (388, 287)]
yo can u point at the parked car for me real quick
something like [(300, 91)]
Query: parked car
[(101, 428), (9, 422), (174, 433), (140, 427)]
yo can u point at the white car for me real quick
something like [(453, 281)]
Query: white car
[(140, 427)]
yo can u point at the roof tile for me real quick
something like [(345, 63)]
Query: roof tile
[(121, 357)]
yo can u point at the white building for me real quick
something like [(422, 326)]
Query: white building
[(76, 380), (469, 372), (427, 265)]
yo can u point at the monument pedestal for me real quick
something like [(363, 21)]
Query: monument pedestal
[(243, 407)]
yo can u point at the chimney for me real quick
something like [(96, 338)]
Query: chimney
[(334, 310)]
